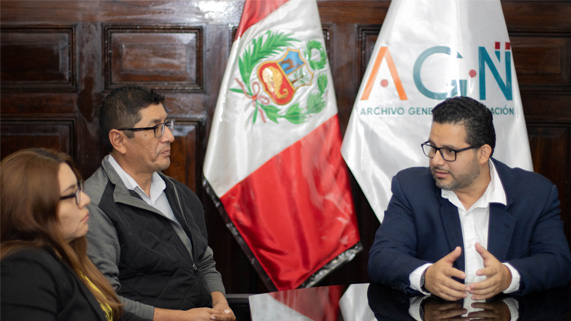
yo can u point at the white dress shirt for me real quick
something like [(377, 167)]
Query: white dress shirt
[(157, 199)]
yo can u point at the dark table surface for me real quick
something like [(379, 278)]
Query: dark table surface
[(365, 302)]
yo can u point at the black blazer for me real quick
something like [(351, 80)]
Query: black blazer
[(36, 285)]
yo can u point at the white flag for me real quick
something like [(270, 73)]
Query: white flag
[(426, 52)]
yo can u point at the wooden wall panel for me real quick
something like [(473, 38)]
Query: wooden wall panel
[(165, 58), (40, 57), (542, 60), (185, 153), (23, 133), (40, 105), (60, 58), (368, 36)]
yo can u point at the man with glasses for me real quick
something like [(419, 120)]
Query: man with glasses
[(468, 225), (147, 231)]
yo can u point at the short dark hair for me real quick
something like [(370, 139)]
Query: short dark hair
[(120, 109), (475, 116)]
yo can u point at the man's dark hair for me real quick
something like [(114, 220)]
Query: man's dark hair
[(475, 116), (120, 109)]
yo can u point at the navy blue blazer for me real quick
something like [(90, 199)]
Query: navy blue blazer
[(422, 227)]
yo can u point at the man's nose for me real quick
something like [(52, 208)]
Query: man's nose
[(437, 159), (168, 135)]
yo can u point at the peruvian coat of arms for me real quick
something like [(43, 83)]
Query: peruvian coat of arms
[(273, 86)]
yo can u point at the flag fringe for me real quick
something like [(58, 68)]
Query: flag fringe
[(339, 261)]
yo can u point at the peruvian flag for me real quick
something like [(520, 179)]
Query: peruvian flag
[(273, 158)]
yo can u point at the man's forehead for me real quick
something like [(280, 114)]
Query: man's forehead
[(448, 133), (152, 113)]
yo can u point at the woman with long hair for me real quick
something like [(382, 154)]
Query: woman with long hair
[(46, 274)]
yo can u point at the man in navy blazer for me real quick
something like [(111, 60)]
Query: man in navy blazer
[(468, 224)]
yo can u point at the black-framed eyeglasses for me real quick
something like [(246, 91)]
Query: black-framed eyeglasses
[(448, 154), (159, 129), (76, 194)]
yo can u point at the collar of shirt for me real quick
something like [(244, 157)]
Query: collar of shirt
[(158, 198), (494, 193), (158, 185)]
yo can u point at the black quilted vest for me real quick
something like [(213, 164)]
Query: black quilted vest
[(155, 267)]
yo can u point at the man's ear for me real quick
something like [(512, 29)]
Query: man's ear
[(118, 140), (485, 153)]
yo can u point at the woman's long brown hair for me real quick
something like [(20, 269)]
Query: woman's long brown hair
[(30, 199)]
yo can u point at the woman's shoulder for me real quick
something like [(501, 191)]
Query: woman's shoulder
[(32, 259), (29, 253), (35, 270), (36, 285)]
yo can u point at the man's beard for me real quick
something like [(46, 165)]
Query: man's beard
[(458, 182)]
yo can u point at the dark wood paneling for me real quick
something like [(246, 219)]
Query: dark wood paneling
[(38, 105), (185, 153), (542, 60), (547, 106), (368, 36), (536, 15), (38, 58), (60, 58), (165, 58), (18, 134)]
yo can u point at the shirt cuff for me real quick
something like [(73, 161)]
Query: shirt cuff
[(415, 276), (514, 285), (414, 307), (513, 305)]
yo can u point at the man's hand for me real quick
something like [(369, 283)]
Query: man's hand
[(221, 308), (198, 314), (440, 310), (220, 311), (438, 278), (496, 310), (498, 276)]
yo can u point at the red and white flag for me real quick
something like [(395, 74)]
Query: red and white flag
[(273, 157), (427, 51)]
